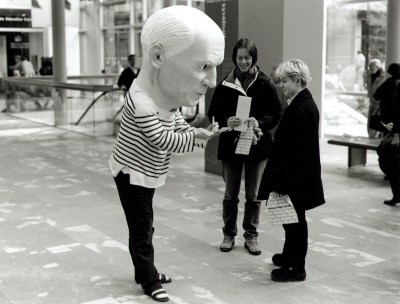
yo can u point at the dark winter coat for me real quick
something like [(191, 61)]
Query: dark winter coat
[(294, 166), (126, 78), (386, 93), (265, 107)]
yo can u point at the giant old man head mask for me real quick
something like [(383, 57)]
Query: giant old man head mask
[(182, 47)]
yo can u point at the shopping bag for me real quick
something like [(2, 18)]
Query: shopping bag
[(280, 210)]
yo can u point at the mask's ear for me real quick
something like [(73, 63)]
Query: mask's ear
[(157, 55)]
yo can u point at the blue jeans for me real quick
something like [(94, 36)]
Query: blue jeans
[(232, 175)]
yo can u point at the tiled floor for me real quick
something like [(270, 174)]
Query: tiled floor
[(63, 232)]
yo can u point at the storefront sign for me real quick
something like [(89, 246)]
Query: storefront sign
[(225, 14), (15, 18)]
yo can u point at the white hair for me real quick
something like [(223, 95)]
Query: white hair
[(295, 69), (173, 28)]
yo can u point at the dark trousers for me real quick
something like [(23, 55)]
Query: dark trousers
[(394, 179), (232, 174), (137, 203), (296, 241)]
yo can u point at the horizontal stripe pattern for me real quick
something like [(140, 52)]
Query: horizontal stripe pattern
[(147, 137)]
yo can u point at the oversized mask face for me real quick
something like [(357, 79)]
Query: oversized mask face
[(185, 77)]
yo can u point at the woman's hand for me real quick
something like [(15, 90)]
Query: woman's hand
[(234, 122), (388, 126), (256, 135), (252, 122)]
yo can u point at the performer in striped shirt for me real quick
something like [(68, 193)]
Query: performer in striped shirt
[(181, 49)]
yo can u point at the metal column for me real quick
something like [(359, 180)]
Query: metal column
[(59, 60), (393, 32)]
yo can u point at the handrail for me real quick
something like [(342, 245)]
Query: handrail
[(349, 93), (58, 84)]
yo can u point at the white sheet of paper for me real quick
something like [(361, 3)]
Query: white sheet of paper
[(243, 111)]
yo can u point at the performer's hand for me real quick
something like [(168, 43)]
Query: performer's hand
[(203, 133), (213, 127)]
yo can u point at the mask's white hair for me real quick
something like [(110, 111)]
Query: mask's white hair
[(173, 28)]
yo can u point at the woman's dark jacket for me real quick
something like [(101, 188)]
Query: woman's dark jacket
[(294, 166), (265, 107), (386, 93)]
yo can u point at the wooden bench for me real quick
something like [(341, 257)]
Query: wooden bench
[(357, 149)]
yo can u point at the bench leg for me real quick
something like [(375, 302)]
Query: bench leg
[(356, 157)]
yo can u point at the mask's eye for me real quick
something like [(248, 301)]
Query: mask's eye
[(204, 67)]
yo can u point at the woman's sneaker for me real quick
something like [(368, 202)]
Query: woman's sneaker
[(227, 244), (251, 244)]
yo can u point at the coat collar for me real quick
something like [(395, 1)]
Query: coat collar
[(303, 94), (230, 80)]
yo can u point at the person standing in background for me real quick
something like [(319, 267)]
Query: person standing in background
[(24, 66), (389, 150), (386, 95), (376, 76), (128, 74), (360, 71), (246, 79)]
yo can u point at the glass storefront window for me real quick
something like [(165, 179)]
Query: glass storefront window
[(356, 33), (116, 44), (116, 13)]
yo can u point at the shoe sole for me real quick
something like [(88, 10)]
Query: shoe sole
[(252, 252), (390, 204), (293, 279), (227, 249)]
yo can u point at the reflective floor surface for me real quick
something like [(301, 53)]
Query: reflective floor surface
[(64, 235)]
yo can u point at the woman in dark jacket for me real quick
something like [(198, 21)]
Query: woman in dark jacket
[(294, 167), (389, 150), (386, 94), (245, 79)]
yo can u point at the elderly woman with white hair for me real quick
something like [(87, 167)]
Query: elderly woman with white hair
[(294, 167)]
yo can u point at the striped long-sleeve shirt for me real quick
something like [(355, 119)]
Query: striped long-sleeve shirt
[(147, 137)]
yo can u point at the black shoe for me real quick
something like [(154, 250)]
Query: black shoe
[(288, 274), (391, 202), (278, 259)]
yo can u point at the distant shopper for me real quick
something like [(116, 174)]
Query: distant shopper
[(24, 66), (294, 167), (128, 74), (374, 80), (389, 151), (386, 95), (360, 70)]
